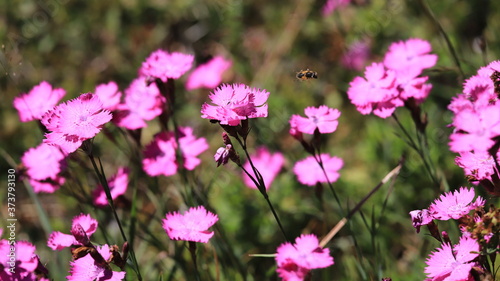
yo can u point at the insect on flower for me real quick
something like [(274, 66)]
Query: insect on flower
[(306, 75), (495, 77)]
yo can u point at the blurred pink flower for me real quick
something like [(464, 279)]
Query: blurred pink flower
[(332, 5), (117, 185), (208, 75), (160, 156), (411, 55), (142, 103), (453, 265), (47, 185), (109, 95), (474, 129), (191, 226), (38, 101), (26, 262), (357, 55), (86, 268), (454, 205), (163, 65), (377, 93), (478, 165), (75, 121), (294, 260), (309, 172), (52, 158), (267, 163), (234, 103), (322, 118), (421, 218), (58, 240)]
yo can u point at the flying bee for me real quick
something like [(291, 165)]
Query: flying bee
[(306, 75)]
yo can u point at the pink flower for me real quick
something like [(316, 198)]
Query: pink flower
[(453, 205), (448, 264), (357, 55), (295, 260), (411, 55), (47, 185), (309, 172), (75, 121), (59, 240), (160, 155), (420, 218), (191, 226), (332, 5), (109, 95), (163, 65), (208, 75), (377, 93), (322, 118), (52, 158), (269, 165), (234, 103), (26, 262), (86, 268), (117, 185), (222, 155), (39, 100), (478, 165), (142, 103), (475, 129)]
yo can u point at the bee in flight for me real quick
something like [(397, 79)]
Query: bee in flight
[(306, 75)]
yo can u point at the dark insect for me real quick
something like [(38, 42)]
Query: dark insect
[(495, 77), (306, 75)]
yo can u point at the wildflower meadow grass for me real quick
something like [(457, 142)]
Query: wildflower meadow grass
[(250, 140)]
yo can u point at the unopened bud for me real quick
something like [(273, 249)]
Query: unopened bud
[(80, 234)]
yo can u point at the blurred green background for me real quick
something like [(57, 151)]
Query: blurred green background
[(79, 44)]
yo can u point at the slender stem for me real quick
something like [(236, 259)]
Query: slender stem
[(320, 162), (192, 251), (104, 183)]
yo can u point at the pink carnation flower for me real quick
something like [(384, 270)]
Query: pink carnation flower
[(163, 65), (475, 129), (453, 264), (357, 55), (191, 226), (454, 205), (295, 260), (109, 95), (309, 172), (234, 103), (421, 218), (75, 121), (222, 155), (86, 268), (160, 154), (51, 157), (208, 75), (58, 240), (411, 55), (117, 184), (478, 165), (38, 101), (142, 103), (27, 263), (377, 93), (47, 185), (269, 165), (322, 118), (332, 5)]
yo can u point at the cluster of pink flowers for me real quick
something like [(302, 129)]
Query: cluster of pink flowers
[(451, 262), (234, 103), (390, 84), (295, 261), (18, 261), (160, 154), (476, 124)]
